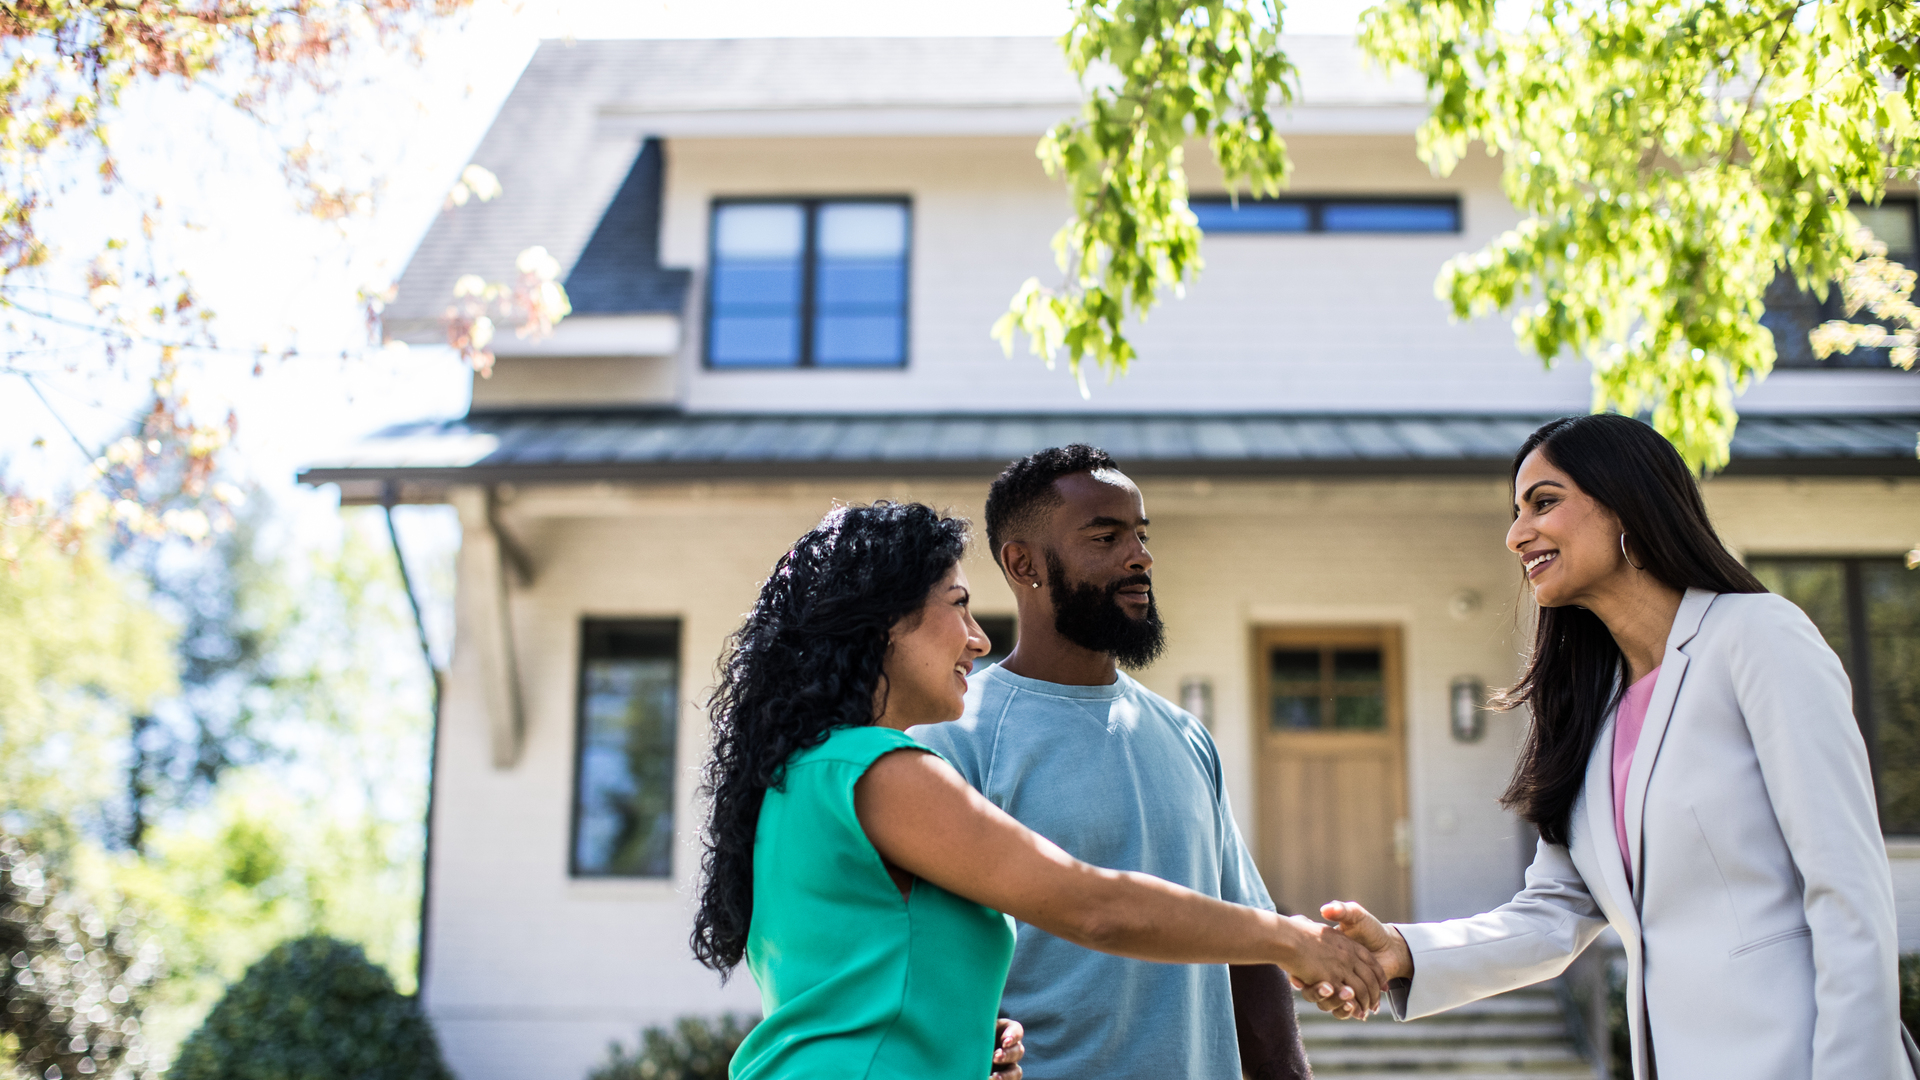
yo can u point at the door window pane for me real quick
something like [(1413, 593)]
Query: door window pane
[(623, 789), (1337, 688), (1294, 681), (758, 283)]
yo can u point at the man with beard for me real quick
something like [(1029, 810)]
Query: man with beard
[(1058, 737)]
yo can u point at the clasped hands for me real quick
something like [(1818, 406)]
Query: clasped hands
[(1384, 945)]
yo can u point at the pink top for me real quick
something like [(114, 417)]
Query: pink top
[(1626, 736)]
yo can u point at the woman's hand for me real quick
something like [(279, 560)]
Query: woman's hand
[(1009, 1046), (1389, 949)]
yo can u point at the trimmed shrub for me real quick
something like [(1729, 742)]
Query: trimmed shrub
[(696, 1049), (314, 1008)]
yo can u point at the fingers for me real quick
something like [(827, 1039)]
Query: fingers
[(1009, 1048)]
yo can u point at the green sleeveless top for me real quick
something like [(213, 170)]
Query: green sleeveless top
[(856, 982)]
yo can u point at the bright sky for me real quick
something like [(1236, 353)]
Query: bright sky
[(278, 278)]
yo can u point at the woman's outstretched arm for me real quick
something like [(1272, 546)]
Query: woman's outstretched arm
[(924, 818)]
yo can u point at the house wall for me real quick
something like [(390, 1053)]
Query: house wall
[(1304, 322), (532, 972)]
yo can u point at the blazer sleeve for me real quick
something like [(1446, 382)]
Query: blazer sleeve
[(1530, 938), (1796, 701)]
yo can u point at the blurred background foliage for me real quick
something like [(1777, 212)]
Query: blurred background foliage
[(217, 747)]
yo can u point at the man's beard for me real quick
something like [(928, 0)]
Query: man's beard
[(1089, 616)]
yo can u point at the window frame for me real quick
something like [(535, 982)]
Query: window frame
[(1859, 662), (809, 269), (676, 627), (1316, 213)]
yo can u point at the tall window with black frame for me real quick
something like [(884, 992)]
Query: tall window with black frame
[(1868, 609), (624, 750)]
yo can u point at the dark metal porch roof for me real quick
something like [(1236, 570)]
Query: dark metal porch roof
[(562, 447)]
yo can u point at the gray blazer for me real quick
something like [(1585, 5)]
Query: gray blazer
[(1760, 927)]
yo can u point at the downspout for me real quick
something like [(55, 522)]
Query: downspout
[(389, 496)]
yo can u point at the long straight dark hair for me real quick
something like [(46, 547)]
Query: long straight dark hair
[(1575, 674)]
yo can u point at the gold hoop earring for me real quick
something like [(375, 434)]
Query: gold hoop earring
[(1624, 555)]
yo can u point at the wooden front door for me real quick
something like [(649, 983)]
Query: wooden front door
[(1331, 727)]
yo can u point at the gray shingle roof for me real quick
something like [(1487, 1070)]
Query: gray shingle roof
[(526, 448), (619, 272)]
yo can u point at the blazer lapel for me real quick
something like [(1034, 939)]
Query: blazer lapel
[(1673, 666), (1598, 793)]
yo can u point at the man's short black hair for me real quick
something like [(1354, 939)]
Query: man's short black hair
[(1025, 490)]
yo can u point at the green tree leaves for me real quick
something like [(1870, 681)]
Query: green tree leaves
[(1157, 72), (1672, 156)]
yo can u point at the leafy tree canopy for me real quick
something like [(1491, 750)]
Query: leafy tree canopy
[(1670, 158)]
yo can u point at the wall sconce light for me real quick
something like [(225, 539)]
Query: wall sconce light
[(1196, 696), (1467, 704)]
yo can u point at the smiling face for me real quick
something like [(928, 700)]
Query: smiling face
[(929, 656), (1568, 543), (1099, 571)]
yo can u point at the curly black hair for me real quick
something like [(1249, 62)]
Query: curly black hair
[(1024, 489), (806, 661)]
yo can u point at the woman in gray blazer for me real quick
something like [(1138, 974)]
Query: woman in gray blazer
[(1744, 870)]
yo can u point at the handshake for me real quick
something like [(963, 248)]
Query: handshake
[(1344, 967)]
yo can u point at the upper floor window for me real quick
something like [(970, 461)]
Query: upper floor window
[(1792, 313), (1869, 612), (624, 752), (1218, 214), (809, 283)]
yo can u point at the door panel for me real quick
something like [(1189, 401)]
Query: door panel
[(1331, 736)]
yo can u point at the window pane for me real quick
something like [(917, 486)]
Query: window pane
[(774, 231), (1252, 215), (1390, 217), (863, 231), (1295, 664), (1353, 712), (1892, 224), (1891, 593), (1356, 665), (757, 284), (623, 800), (1294, 712), (860, 285), (1819, 587)]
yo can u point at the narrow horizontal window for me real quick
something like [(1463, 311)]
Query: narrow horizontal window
[(1327, 215), (809, 283), (624, 764)]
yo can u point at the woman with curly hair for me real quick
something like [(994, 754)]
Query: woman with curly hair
[(860, 877)]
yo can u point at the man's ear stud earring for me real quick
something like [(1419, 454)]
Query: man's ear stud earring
[(1036, 584)]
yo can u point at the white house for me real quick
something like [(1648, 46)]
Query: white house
[(784, 257)]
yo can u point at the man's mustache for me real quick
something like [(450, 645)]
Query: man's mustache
[(1113, 589)]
